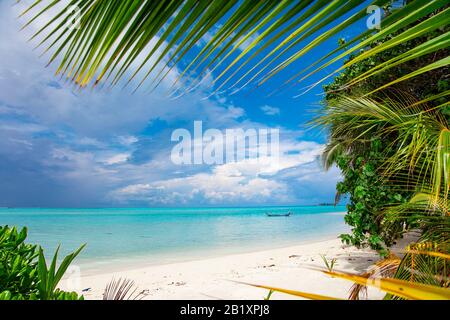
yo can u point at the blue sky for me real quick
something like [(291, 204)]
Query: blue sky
[(60, 147)]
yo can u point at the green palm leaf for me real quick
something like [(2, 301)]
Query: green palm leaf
[(124, 38)]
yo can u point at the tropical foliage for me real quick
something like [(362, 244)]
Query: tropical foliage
[(362, 160), (414, 161), (24, 274), (368, 195), (265, 37), (386, 111), (393, 152), (18, 263)]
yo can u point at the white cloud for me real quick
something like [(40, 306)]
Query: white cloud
[(127, 140), (134, 189), (203, 187), (270, 111), (253, 180), (117, 158)]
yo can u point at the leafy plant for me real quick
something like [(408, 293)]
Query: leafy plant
[(18, 266), (362, 148), (414, 161), (50, 277), (23, 270), (369, 194)]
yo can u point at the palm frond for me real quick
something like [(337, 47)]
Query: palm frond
[(421, 143), (122, 289), (242, 42), (293, 292), (396, 287), (385, 268)]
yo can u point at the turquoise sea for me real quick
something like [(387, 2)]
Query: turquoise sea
[(116, 236)]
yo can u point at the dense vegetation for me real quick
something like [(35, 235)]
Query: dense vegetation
[(362, 159), (24, 274), (392, 147)]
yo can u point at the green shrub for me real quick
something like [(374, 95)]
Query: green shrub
[(18, 264), (24, 274), (362, 161)]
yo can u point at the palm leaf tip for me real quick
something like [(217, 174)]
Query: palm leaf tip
[(401, 288), (296, 293)]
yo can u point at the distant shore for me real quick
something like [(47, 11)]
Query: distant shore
[(215, 278)]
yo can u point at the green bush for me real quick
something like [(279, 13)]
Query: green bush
[(24, 274), (361, 163), (18, 264), (368, 194)]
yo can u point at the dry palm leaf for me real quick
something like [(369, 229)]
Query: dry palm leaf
[(382, 268)]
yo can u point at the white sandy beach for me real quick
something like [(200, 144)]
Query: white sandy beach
[(213, 278)]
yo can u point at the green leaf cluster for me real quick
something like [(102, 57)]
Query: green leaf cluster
[(24, 274), (368, 194), (18, 265), (371, 183)]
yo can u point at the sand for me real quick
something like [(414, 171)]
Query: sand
[(215, 278)]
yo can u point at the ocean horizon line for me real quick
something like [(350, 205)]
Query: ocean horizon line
[(177, 207)]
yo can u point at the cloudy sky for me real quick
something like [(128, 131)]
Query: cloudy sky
[(61, 147)]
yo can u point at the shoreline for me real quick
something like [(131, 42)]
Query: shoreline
[(119, 264), (287, 267)]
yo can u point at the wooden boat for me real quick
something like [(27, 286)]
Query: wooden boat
[(269, 214)]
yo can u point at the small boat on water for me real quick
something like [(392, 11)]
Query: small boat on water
[(270, 214)]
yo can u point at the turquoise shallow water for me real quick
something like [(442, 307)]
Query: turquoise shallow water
[(154, 236)]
